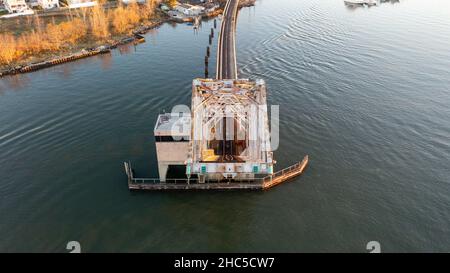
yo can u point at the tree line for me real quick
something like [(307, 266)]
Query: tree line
[(86, 24)]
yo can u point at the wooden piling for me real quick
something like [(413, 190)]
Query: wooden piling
[(206, 66)]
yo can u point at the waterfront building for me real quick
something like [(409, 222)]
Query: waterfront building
[(362, 2), (15, 6), (126, 2), (164, 7), (172, 135), (210, 7), (48, 4), (189, 10), (32, 3), (73, 4)]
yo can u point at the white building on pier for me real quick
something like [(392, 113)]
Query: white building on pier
[(15, 6), (189, 10), (48, 4)]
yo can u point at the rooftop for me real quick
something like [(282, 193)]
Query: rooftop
[(230, 125), (170, 124)]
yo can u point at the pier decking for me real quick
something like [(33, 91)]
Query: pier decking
[(270, 181)]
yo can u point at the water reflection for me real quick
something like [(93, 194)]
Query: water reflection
[(126, 49), (152, 34), (14, 82), (106, 61), (66, 71)]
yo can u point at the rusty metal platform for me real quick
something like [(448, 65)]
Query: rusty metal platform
[(155, 184)]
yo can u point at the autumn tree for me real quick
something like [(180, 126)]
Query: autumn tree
[(9, 51), (99, 23), (133, 13), (119, 20), (75, 30), (172, 3), (149, 9), (124, 18), (54, 35)]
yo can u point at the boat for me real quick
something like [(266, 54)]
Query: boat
[(196, 23), (138, 39), (361, 2)]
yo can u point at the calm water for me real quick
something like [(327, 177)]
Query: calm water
[(365, 92)]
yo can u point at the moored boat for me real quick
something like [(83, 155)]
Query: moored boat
[(361, 2)]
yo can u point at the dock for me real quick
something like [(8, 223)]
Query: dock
[(265, 183)]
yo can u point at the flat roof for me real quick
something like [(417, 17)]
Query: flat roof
[(170, 124)]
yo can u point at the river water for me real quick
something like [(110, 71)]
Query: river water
[(364, 92)]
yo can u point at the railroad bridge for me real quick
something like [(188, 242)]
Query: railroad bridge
[(224, 142)]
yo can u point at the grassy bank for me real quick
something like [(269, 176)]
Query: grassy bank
[(37, 38)]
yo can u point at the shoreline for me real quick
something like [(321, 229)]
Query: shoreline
[(41, 62), (48, 61), (21, 67)]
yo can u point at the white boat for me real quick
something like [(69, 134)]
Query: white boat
[(82, 4), (362, 2), (197, 21)]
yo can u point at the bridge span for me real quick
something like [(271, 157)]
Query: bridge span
[(225, 141), (226, 48)]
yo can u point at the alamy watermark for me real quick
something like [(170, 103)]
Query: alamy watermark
[(252, 117), (74, 247), (373, 247)]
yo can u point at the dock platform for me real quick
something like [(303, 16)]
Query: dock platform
[(265, 183)]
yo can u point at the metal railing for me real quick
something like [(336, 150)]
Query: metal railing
[(283, 171), (250, 181), (158, 181)]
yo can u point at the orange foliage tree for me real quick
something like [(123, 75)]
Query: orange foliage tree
[(124, 18), (9, 51), (51, 37), (99, 23)]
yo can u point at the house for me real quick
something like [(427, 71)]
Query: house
[(164, 7), (189, 10), (126, 2), (15, 6), (48, 4), (32, 3), (210, 7), (74, 4)]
